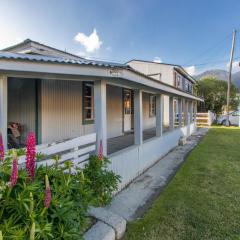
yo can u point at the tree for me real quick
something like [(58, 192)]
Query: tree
[(214, 92)]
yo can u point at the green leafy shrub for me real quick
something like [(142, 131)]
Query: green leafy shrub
[(49, 202), (102, 182), (22, 209)]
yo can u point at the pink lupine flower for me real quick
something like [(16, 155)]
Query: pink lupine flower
[(1, 148), (31, 155), (14, 174), (100, 151), (48, 196)]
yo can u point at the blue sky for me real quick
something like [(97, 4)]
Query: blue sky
[(186, 32)]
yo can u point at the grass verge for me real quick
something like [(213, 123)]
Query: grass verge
[(203, 199)]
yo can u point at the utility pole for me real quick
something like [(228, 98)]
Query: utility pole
[(230, 75)]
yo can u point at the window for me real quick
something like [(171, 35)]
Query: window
[(152, 106), (189, 87), (179, 81), (186, 85), (88, 113), (175, 80)]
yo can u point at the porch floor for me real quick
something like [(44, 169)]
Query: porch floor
[(121, 142)]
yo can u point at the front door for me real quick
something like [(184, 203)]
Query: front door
[(127, 110)]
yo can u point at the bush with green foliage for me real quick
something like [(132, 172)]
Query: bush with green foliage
[(102, 182), (53, 205), (214, 92), (23, 205)]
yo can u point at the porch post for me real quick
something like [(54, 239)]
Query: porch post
[(191, 111), (138, 131), (3, 108), (185, 111), (180, 112), (100, 114), (186, 117), (159, 115), (171, 114), (195, 111)]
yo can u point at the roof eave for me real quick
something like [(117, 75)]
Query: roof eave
[(8, 65)]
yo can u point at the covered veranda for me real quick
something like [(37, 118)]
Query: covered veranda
[(147, 141)]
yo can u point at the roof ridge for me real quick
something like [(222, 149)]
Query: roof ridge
[(168, 64), (44, 58), (32, 41), (148, 61)]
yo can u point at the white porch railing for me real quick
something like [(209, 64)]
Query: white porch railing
[(76, 150), (133, 161), (205, 119)]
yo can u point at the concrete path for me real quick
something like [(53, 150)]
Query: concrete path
[(133, 201)]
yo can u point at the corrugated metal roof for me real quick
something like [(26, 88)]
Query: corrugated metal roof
[(41, 58), (39, 47)]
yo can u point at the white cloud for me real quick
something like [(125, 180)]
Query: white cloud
[(235, 66), (191, 70), (91, 43), (157, 60), (7, 42), (82, 54)]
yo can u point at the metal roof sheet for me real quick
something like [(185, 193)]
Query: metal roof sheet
[(42, 58)]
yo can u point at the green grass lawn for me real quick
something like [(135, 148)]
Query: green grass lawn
[(203, 199)]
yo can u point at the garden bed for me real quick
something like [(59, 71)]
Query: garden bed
[(50, 202)]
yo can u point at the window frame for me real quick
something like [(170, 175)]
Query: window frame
[(179, 81), (86, 121), (152, 106), (175, 81)]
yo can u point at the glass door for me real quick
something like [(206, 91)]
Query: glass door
[(127, 110)]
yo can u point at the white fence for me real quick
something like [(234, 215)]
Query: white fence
[(132, 161), (76, 150), (206, 119)]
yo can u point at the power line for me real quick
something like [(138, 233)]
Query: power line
[(209, 63), (210, 49), (215, 46)]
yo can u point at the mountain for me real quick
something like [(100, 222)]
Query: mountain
[(217, 73), (236, 79), (222, 75)]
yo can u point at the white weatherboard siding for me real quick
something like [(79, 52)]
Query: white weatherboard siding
[(131, 162), (149, 68), (62, 111)]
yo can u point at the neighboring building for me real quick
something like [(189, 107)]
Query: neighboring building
[(139, 115), (171, 74)]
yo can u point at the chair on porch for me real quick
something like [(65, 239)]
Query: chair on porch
[(14, 135)]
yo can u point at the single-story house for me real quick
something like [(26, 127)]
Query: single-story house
[(138, 110)]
